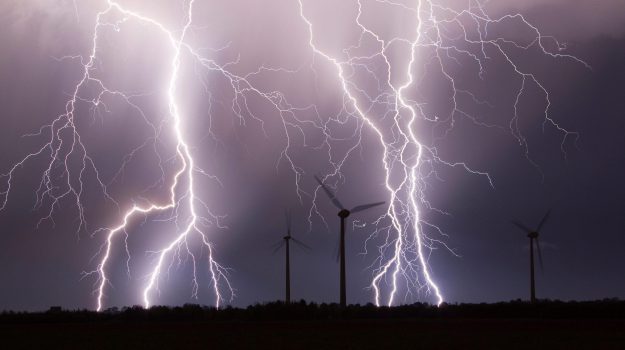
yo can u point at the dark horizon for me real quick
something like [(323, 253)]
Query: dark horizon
[(516, 325)]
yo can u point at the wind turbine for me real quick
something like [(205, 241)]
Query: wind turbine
[(343, 214), (533, 236), (286, 240)]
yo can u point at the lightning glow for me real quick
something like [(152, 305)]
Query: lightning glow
[(408, 163), (440, 37), (178, 191)]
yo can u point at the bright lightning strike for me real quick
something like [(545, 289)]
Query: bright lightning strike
[(439, 37), (190, 213), (408, 163), (182, 183)]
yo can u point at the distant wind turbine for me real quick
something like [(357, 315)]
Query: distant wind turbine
[(285, 242), (343, 214), (533, 236)]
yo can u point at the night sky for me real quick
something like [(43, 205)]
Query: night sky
[(578, 175)]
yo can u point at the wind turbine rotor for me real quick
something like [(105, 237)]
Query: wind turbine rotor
[(301, 244), (540, 254), (330, 195), (336, 253), (287, 216), (522, 226), (363, 207), (543, 220), (278, 246)]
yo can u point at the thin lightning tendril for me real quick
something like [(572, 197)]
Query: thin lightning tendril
[(407, 239), (406, 248)]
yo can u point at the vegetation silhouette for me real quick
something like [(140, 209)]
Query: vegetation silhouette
[(300, 325), (280, 311)]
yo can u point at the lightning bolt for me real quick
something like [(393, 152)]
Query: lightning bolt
[(190, 213), (182, 183), (403, 238), (409, 163)]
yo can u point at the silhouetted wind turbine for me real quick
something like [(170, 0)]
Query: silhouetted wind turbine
[(533, 236), (343, 214), (286, 242)]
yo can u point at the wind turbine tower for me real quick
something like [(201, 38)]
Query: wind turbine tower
[(286, 242), (533, 236), (344, 214)]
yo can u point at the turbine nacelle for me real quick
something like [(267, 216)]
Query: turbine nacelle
[(344, 213), (289, 238)]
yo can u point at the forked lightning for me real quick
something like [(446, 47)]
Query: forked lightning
[(439, 35)]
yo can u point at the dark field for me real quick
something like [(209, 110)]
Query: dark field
[(548, 325)]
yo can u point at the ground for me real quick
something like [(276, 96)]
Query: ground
[(265, 328)]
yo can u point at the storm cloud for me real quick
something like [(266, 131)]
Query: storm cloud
[(42, 265)]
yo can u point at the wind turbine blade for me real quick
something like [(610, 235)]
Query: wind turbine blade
[(521, 226), (301, 244), (280, 245), (365, 207), (277, 243), (331, 195), (540, 255), (287, 216), (544, 219)]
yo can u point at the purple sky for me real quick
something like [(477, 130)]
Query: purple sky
[(582, 243)]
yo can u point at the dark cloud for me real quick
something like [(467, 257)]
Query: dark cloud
[(570, 20)]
